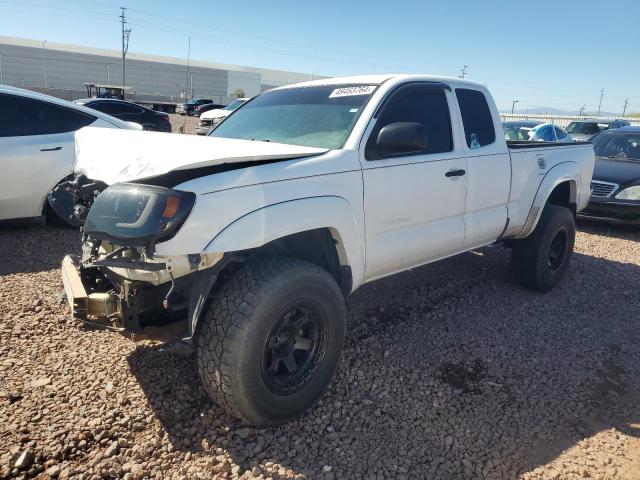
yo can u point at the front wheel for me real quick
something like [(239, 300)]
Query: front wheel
[(270, 341), (540, 261)]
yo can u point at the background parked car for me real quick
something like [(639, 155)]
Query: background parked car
[(210, 119), (188, 107), (130, 112), (534, 131), (615, 188), (582, 130), (37, 149), (200, 109)]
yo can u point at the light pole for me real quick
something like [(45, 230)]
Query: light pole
[(600, 104), (624, 108), (463, 72), (513, 106), (189, 67), (313, 73), (108, 73), (44, 63), (581, 110)]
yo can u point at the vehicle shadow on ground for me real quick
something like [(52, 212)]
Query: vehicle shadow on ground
[(448, 371), (623, 232), (27, 248)]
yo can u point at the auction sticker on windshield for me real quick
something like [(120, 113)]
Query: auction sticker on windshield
[(350, 91)]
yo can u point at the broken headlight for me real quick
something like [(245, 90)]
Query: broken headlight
[(134, 215)]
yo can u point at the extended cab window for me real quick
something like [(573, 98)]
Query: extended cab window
[(20, 116), (476, 118), (427, 107)]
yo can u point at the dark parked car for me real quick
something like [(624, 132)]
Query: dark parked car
[(130, 112), (615, 188), (205, 108), (581, 130), (188, 108)]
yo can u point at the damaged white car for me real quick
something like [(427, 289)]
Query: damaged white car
[(256, 233)]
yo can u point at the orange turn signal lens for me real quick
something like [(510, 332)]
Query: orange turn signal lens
[(171, 207)]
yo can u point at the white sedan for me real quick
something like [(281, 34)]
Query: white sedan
[(37, 148)]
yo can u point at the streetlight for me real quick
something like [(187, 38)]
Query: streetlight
[(44, 63), (513, 105), (314, 73)]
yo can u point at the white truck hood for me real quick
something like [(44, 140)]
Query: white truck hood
[(215, 113), (112, 155)]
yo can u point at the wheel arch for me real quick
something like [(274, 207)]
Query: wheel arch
[(558, 187)]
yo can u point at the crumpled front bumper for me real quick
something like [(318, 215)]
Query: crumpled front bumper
[(83, 304)]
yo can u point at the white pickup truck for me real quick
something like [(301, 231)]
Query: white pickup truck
[(256, 233)]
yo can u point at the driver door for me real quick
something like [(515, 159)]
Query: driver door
[(414, 202)]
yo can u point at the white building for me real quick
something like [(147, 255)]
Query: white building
[(64, 69)]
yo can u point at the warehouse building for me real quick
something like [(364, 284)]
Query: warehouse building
[(62, 70)]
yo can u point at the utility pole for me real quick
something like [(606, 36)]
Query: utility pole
[(189, 70), (513, 106), (463, 71), (582, 110), (600, 104), (125, 42), (44, 63), (624, 108)]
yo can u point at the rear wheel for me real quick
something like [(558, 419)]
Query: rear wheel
[(271, 339), (540, 261)]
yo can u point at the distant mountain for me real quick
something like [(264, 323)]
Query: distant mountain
[(557, 111)]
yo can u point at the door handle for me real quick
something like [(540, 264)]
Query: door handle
[(53, 149), (455, 173)]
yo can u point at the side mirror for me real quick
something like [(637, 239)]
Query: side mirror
[(401, 137)]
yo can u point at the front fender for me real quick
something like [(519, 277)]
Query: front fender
[(560, 173), (279, 220)]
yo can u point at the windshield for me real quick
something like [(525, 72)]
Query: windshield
[(233, 105), (585, 128), (320, 116), (623, 146), (517, 131)]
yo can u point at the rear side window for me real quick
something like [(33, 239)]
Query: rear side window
[(560, 133), (476, 118), (115, 108), (428, 107), (21, 116)]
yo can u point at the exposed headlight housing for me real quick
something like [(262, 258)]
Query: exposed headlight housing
[(134, 215), (629, 193)]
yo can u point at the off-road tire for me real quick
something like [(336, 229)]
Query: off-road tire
[(532, 262), (231, 337)]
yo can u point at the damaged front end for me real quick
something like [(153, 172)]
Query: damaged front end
[(119, 282)]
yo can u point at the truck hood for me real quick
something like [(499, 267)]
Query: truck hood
[(112, 155), (215, 113)]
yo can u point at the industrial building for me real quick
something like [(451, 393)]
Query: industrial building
[(62, 70)]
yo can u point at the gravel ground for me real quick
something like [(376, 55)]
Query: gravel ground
[(182, 123), (449, 371)]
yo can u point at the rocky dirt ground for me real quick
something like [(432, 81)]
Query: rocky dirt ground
[(183, 123), (449, 371)]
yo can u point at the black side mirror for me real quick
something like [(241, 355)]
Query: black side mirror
[(401, 137)]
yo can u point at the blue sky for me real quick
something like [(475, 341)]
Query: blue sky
[(542, 53)]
